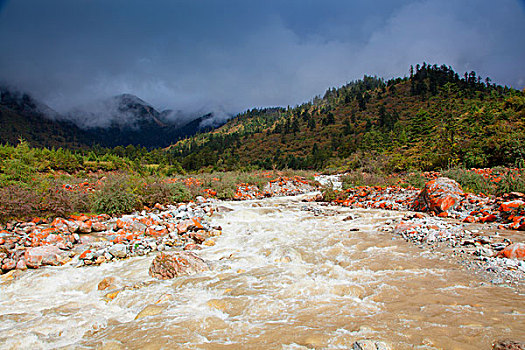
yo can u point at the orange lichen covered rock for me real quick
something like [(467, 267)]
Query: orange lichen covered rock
[(174, 264), (439, 195), (514, 251), (43, 255)]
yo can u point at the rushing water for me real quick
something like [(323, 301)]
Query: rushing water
[(281, 277)]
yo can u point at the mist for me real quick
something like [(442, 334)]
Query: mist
[(205, 56)]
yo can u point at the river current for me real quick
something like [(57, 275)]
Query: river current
[(285, 275)]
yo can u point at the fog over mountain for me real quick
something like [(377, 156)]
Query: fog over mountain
[(195, 57)]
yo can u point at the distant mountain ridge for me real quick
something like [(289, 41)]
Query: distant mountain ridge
[(120, 120)]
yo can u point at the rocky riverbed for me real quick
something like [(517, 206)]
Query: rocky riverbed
[(308, 274), (482, 232)]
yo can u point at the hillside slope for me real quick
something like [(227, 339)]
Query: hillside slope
[(432, 119)]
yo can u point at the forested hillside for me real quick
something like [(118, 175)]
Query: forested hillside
[(434, 118)]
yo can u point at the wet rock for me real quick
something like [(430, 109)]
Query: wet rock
[(508, 345), (150, 310), (85, 227), (8, 264), (118, 250), (170, 265), (21, 265), (106, 283), (367, 344)]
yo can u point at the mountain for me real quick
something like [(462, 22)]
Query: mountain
[(21, 116), (120, 120), (432, 119)]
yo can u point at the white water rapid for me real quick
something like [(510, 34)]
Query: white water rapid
[(283, 276)]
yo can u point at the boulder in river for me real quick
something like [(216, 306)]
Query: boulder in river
[(174, 264), (438, 195), (367, 344)]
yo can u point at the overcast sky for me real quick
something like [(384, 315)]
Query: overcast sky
[(199, 55)]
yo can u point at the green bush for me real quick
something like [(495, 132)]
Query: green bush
[(328, 192), (359, 178), (416, 180), (511, 182), (154, 191), (180, 193), (115, 196), (470, 181)]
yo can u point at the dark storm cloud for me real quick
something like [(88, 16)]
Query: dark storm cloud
[(205, 55)]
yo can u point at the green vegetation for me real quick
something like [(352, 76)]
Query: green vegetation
[(433, 119)]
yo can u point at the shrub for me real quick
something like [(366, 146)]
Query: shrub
[(180, 193), (17, 202), (155, 191), (54, 200), (511, 182), (359, 178), (470, 181), (328, 192), (114, 197), (416, 180)]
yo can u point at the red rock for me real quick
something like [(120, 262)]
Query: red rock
[(514, 251), (488, 218), (124, 223), (443, 214), (8, 264), (174, 264), (54, 238), (84, 254), (191, 246), (43, 255), (438, 195), (106, 283), (196, 223), (150, 231), (197, 237), (73, 226), (183, 226), (510, 206), (470, 219), (98, 227), (85, 226)]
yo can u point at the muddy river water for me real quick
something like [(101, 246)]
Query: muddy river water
[(282, 277)]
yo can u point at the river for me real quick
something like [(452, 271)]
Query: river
[(285, 275)]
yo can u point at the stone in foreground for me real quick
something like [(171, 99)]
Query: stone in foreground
[(170, 265)]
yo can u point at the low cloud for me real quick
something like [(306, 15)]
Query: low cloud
[(200, 56)]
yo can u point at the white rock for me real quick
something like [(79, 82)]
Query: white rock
[(118, 250)]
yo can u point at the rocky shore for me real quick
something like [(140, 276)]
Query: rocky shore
[(478, 230), (83, 240)]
